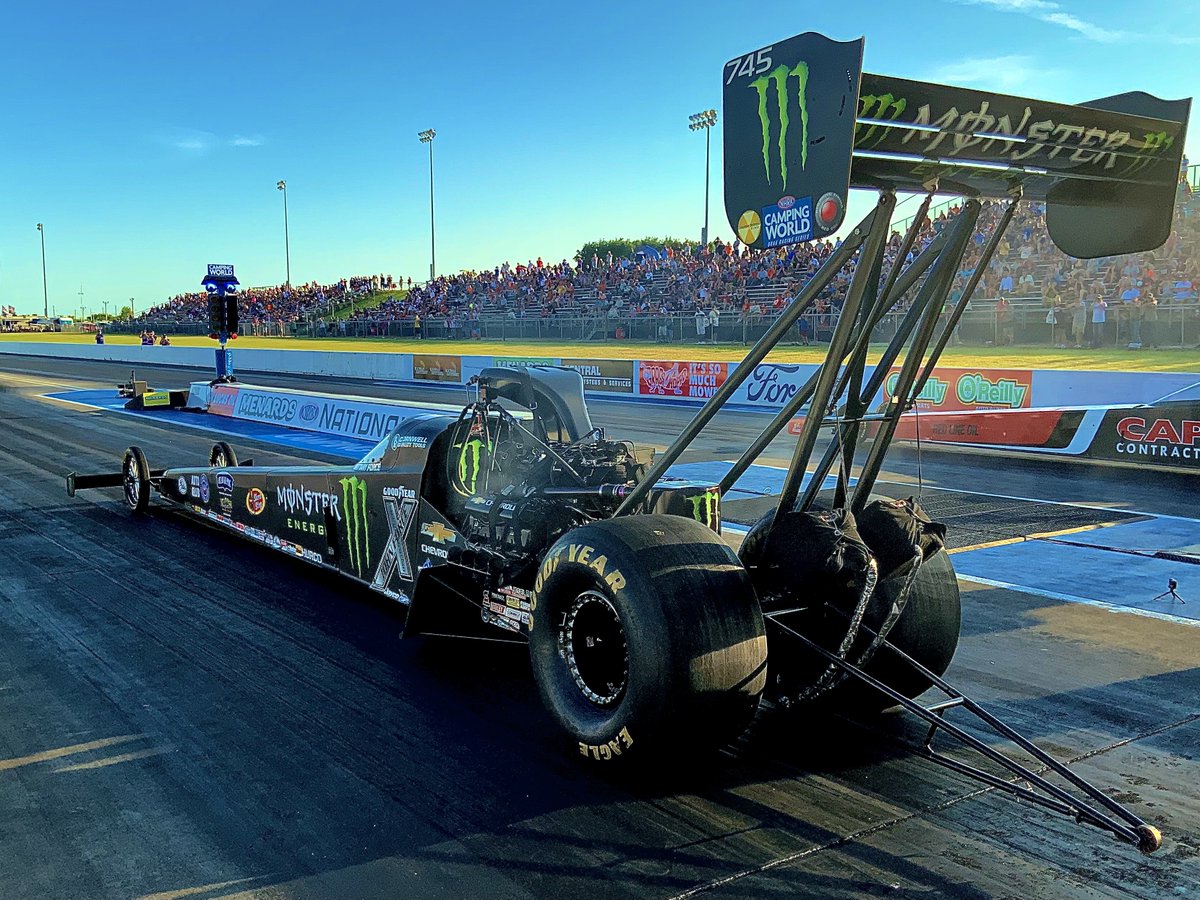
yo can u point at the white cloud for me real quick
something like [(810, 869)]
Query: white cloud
[(242, 141), (1053, 13), (1006, 74)]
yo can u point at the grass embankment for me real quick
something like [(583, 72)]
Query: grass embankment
[(1113, 360)]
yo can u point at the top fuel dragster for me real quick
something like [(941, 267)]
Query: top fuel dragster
[(648, 634)]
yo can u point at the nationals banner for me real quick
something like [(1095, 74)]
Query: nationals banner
[(681, 379), (614, 376), (957, 390)]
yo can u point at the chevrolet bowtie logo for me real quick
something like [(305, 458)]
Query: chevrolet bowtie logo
[(439, 532)]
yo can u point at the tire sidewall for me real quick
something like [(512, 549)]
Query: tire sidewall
[(592, 559)]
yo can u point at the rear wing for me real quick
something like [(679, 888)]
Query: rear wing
[(1108, 169), (803, 123)]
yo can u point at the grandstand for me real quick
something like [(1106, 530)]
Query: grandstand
[(1031, 293)]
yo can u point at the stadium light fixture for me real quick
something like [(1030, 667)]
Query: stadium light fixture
[(281, 185), (45, 292), (704, 121), (426, 137)]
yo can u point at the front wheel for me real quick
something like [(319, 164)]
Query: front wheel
[(222, 456), (135, 480), (647, 639)]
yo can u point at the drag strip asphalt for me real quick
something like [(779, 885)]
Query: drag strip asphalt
[(184, 714)]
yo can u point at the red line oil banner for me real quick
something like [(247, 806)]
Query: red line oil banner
[(222, 400), (681, 379), (430, 367), (957, 390), (613, 376)]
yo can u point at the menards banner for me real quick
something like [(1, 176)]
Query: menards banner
[(956, 390)]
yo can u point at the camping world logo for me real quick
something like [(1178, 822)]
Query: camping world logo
[(358, 534), (780, 82)]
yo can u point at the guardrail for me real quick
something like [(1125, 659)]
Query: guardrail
[(1178, 326)]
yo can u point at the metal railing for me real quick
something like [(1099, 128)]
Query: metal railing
[(1177, 325)]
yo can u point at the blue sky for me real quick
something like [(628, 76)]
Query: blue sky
[(149, 137)]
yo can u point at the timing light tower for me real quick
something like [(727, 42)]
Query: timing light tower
[(222, 285)]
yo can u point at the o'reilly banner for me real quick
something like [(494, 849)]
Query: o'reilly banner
[(790, 110)]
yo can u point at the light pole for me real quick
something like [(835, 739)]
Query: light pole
[(426, 137), (281, 185), (45, 292), (704, 121)]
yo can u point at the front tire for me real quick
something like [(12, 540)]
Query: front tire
[(222, 456), (647, 639), (135, 481)]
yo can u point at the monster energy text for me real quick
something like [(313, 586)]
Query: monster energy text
[(358, 535)]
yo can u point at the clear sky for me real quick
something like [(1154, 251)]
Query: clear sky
[(149, 137)]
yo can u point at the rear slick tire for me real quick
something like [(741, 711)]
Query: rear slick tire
[(647, 641)]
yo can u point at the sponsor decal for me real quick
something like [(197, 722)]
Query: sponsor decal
[(956, 390), (430, 367), (399, 508), (772, 384), (151, 399), (225, 484), (680, 379), (439, 552), (182, 486), (469, 458), (305, 526), (204, 489), (785, 82), (256, 501), (358, 533), (302, 499), (438, 532), (706, 508), (413, 441), (308, 412), (613, 376), (749, 226), (787, 225)]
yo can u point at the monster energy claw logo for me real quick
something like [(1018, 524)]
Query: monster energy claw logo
[(782, 76), (468, 464), (358, 536), (706, 508)]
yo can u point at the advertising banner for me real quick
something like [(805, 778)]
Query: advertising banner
[(525, 361), (614, 376), (958, 390), (681, 379), (430, 367), (1165, 435), (771, 385), (353, 417)]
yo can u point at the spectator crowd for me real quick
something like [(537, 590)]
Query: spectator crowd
[(1077, 298)]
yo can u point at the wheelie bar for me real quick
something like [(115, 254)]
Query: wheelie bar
[(1130, 828)]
